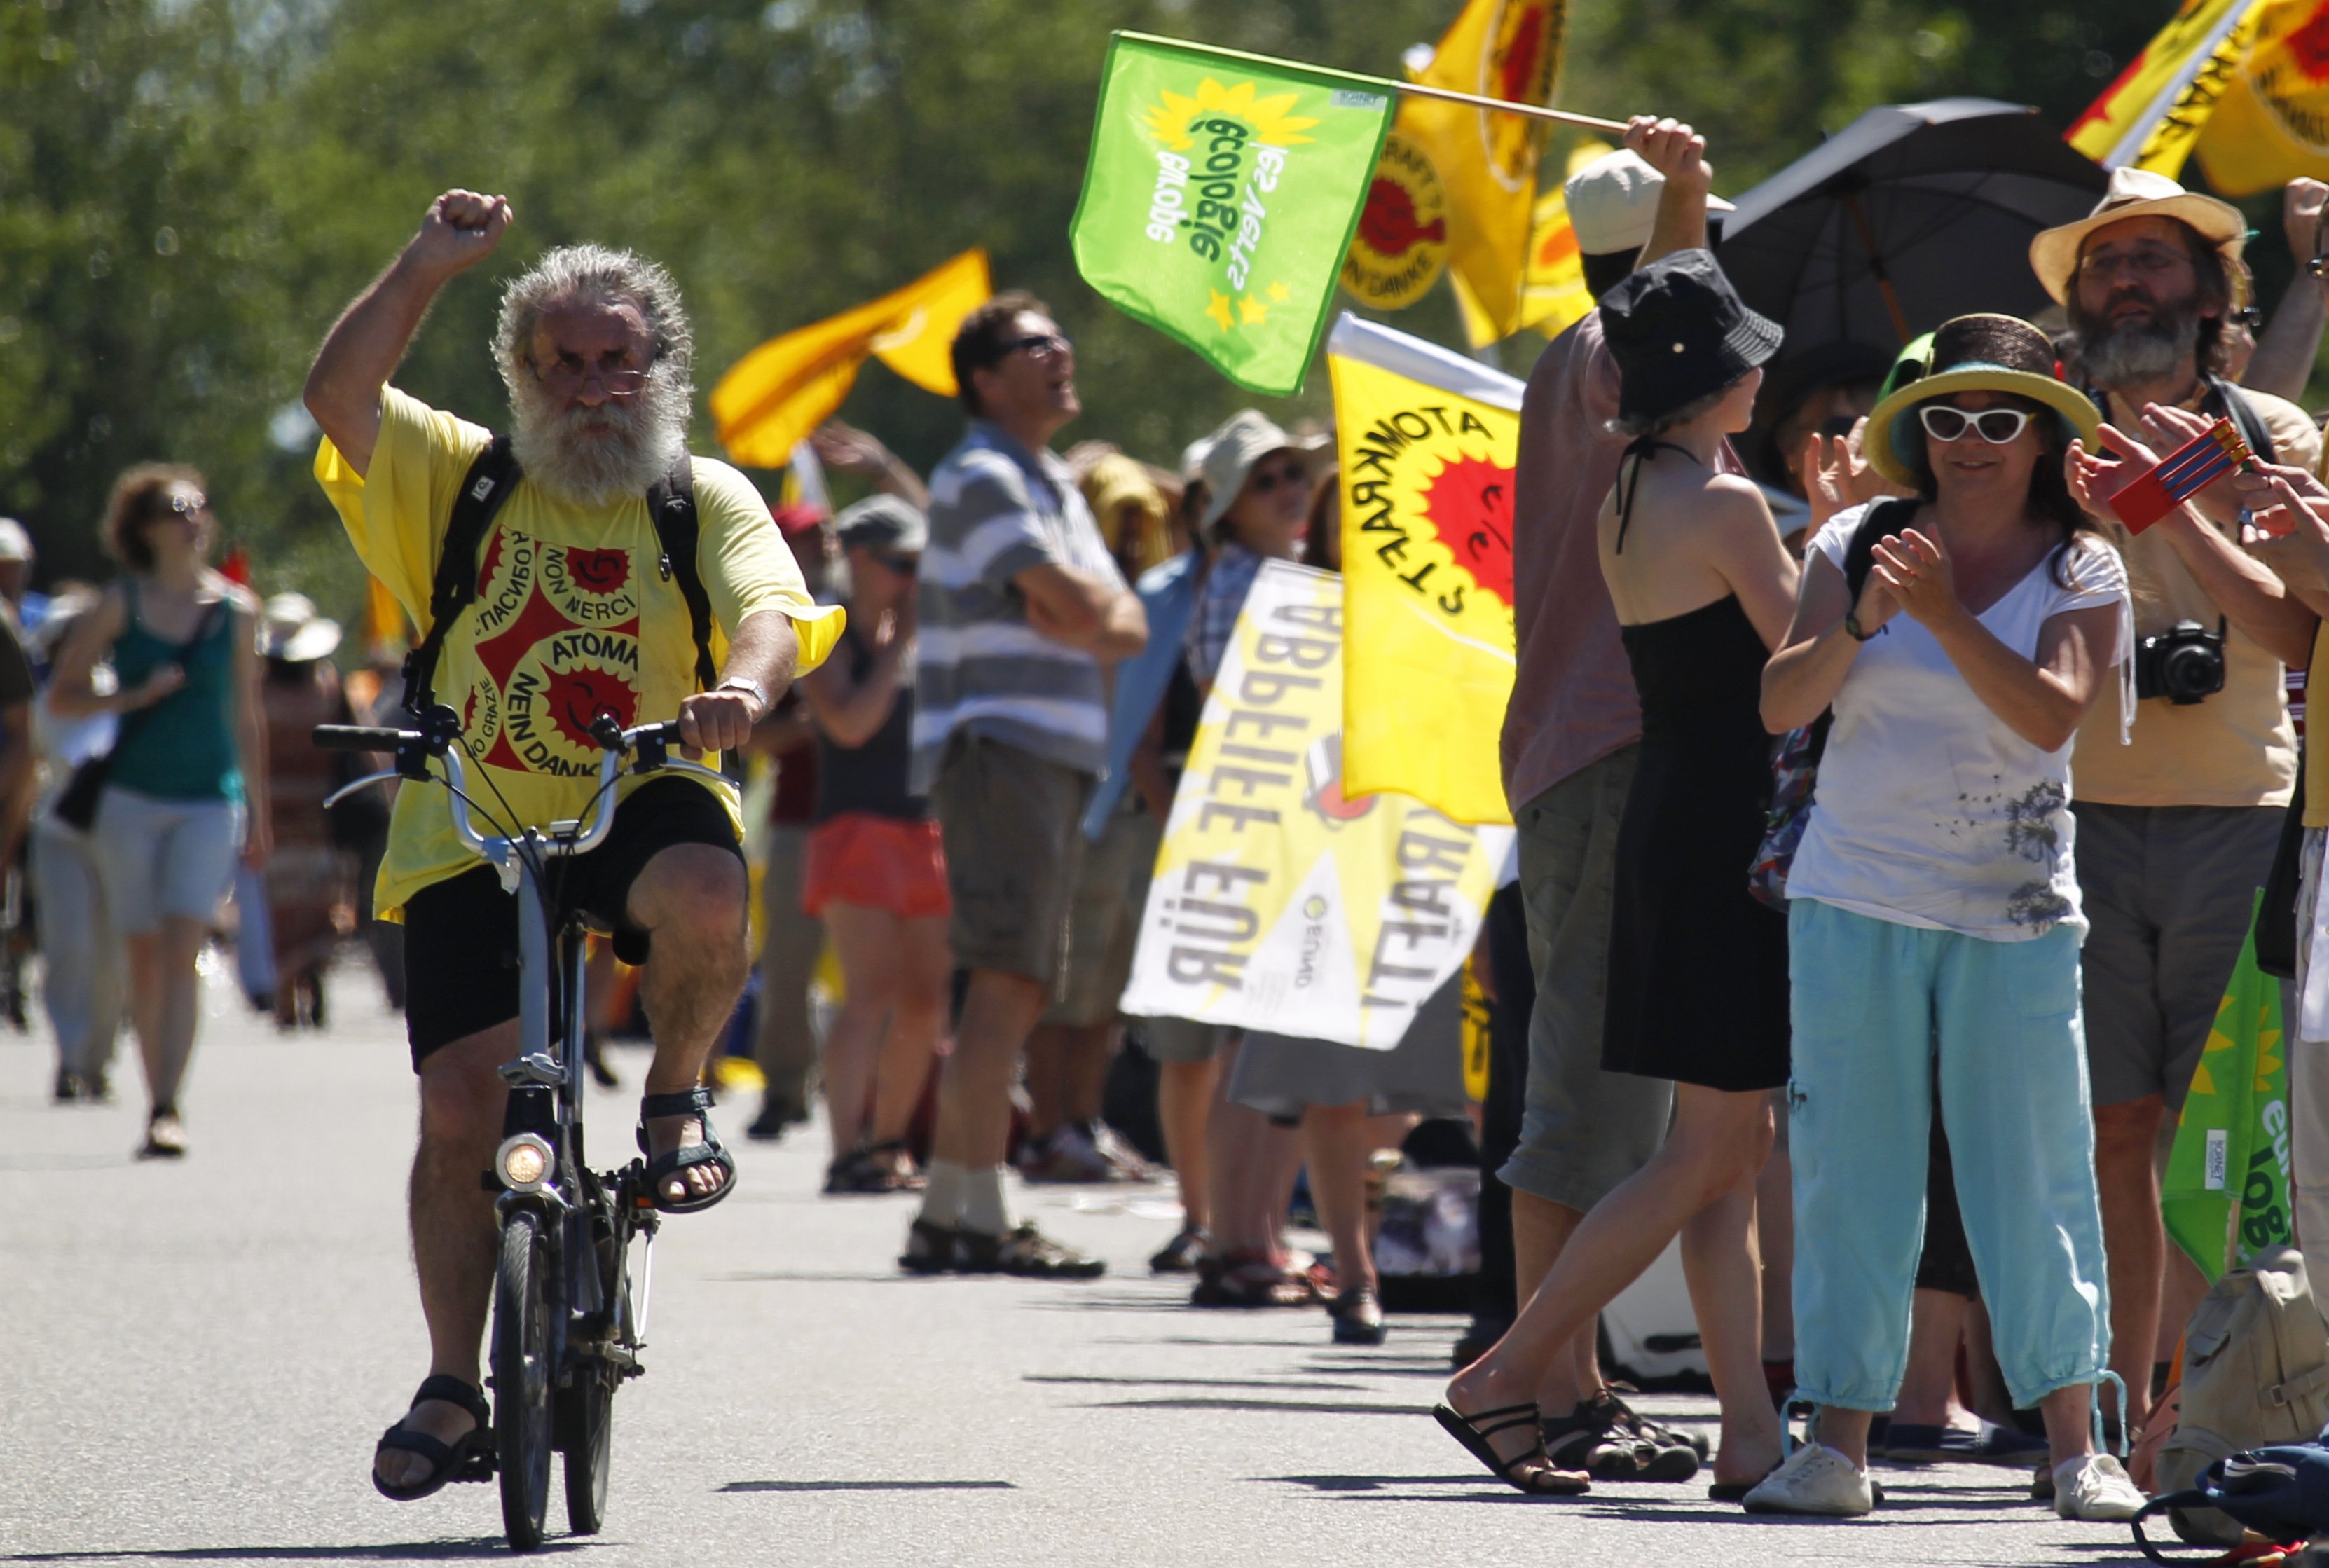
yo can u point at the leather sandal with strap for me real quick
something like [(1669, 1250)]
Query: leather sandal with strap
[(661, 1167), (1530, 1472), (467, 1458)]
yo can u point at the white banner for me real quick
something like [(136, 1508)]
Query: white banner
[(1278, 904)]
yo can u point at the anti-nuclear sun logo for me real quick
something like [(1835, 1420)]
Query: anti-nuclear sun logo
[(1470, 505), (558, 646)]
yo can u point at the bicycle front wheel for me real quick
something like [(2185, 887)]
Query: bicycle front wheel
[(522, 1376)]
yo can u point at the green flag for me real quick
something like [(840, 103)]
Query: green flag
[(1221, 197), (2225, 1199)]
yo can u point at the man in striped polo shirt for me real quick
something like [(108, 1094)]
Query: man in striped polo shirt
[(1020, 604)]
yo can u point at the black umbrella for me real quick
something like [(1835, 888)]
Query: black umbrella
[(1911, 215)]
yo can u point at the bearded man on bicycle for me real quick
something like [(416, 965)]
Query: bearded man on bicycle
[(578, 612)]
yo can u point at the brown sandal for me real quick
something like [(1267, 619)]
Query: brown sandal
[(1531, 1472), (1250, 1279)]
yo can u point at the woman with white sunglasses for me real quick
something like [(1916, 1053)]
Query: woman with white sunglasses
[(1934, 920)]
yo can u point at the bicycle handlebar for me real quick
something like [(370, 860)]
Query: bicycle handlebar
[(651, 742)]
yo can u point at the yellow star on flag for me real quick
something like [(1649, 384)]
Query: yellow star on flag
[(1220, 309), (1279, 293), (1251, 311)]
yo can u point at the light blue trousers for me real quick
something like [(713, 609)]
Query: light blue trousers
[(1874, 1002)]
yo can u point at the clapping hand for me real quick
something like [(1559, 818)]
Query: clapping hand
[(1837, 474), (1917, 573), (2290, 515)]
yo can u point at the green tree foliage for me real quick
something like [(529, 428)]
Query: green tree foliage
[(190, 190)]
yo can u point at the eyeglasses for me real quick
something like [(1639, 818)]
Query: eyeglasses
[(2248, 316), (1995, 425), (186, 503), (904, 565), (569, 375), (1264, 480), (2144, 260), (1041, 346)]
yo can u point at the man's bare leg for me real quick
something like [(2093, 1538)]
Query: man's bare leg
[(1184, 1103), (1540, 1228), (973, 1121), (462, 1099), (690, 899)]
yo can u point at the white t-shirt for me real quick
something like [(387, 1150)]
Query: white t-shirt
[(1928, 811)]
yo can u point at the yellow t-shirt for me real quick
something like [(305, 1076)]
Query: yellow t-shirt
[(2235, 748), (572, 619)]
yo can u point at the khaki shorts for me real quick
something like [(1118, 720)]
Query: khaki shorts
[(1583, 1129), (2168, 891), (1014, 841), (1104, 922)]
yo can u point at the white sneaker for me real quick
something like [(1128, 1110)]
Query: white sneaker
[(1815, 1480), (2095, 1487)]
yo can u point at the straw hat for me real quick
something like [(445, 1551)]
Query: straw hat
[(2135, 193), (293, 631), (1999, 354)]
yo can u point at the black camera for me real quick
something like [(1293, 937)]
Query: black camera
[(2183, 664)]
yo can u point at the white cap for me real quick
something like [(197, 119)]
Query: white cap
[(15, 544), (1612, 203)]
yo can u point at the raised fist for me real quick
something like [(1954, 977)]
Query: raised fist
[(461, 230)]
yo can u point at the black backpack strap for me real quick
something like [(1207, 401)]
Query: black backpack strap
[(483, 488), (2242, 413), (1888, 515), (671, 503)]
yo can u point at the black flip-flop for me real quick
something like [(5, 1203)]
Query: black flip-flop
[(468, 1457), (662, 1167), (1517, 1472)]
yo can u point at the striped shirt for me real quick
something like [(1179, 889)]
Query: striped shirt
[(995, 510)]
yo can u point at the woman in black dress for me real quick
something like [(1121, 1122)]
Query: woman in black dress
[(1698, 970)]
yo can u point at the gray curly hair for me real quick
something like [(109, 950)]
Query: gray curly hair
[(594, 272)]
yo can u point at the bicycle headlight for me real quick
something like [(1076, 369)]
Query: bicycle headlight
[(525, 1163)]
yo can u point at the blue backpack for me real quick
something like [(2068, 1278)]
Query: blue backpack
[(2280, 1493)]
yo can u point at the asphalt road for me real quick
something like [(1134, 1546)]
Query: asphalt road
[(199, 1356)]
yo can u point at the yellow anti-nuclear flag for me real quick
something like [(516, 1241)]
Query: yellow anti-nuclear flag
[(2271, 123), (772, 398), (1553, 298), (1462, 179), (2154, 113), (1427, 440)]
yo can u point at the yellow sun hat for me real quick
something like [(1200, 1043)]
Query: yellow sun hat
[(1999, 354)]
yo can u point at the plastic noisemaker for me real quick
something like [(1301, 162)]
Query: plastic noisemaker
[(2181, 474)]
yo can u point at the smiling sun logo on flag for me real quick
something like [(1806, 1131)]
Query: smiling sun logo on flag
[(1173, 122)]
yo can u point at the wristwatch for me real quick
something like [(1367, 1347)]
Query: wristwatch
[(1851, 627), (746, 684)]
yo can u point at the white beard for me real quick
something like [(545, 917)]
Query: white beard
[(596, 456), (2139, 351)]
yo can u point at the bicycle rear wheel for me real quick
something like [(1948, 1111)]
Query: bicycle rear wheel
[(522, 1376)]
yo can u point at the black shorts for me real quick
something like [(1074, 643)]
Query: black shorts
[(460, 935)]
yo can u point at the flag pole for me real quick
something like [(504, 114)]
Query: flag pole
[(1534, 111)]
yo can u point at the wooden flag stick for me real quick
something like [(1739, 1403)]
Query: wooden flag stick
[(1534, 111)]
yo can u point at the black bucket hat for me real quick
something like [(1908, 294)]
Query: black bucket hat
[(1680, 332)]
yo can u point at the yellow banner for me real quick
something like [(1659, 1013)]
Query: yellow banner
[(2154, 113), (772, 398), (1280, 901), (1427, 440), (2271, 124), (1461, 180)]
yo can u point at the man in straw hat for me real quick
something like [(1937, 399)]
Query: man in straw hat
[(2176, 827), (1570, 737)]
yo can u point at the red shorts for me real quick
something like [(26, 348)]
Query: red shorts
[(878, 862)]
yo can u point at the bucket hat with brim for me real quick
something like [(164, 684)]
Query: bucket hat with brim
[(1895, 438)]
